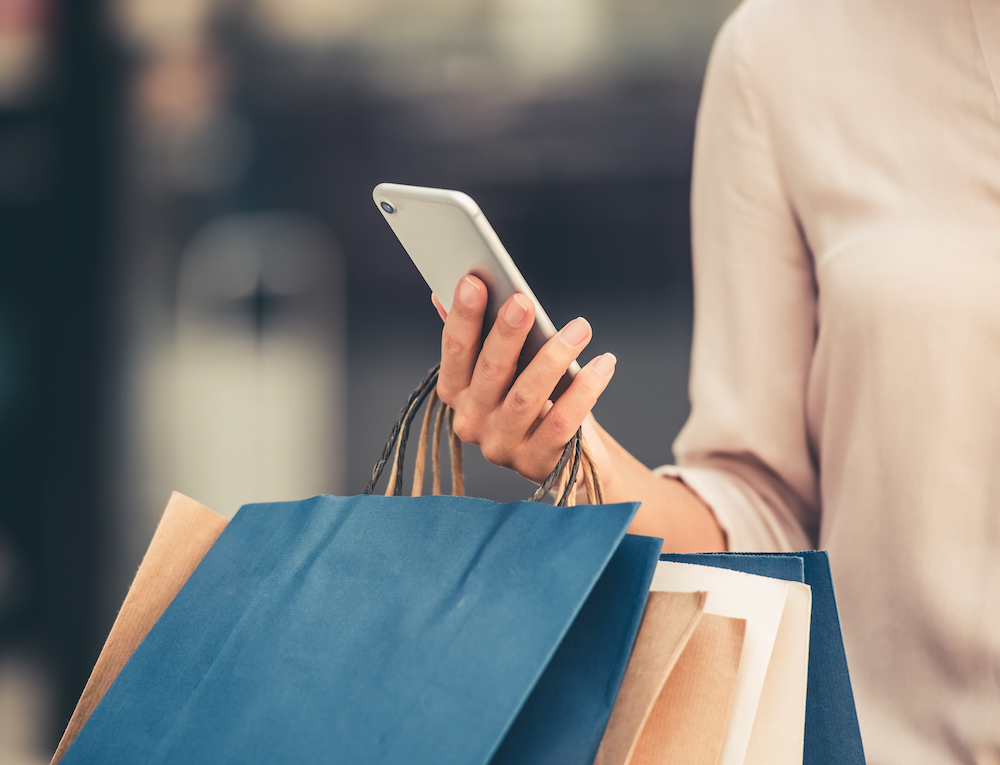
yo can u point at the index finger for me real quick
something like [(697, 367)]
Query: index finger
[(461, 337), (438, 307)]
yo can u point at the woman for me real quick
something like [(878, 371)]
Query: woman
[(845, 379)]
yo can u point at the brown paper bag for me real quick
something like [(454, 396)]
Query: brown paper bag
[(667, 624), (691, 716), (185, 533), (674, 701)]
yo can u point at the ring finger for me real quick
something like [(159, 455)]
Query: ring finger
[(497, 362), (530, 392)]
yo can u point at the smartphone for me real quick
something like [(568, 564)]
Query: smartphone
[(447, 237)]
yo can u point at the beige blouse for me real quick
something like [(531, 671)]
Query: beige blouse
[(845, 379)]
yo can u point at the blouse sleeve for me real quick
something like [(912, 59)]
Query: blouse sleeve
[(745, 449)]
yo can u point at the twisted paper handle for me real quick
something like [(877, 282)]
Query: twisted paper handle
[(576, 457)]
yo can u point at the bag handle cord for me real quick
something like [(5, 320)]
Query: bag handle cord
[(575, 458)]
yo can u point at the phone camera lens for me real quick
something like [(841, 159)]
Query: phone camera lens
[(387, 207)]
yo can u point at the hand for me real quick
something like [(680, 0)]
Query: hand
[(508, 415), (512, 420)]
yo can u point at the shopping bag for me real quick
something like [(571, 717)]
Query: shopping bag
[(667, 624), (689, 720), (674, 701), (566, 714), (768, 707), (377, 629), (831, 732), (185, 533), (672, 706), (744, 652)]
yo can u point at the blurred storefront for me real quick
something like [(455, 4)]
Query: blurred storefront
[(196, 292)]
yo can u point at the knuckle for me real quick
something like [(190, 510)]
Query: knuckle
[(452, 347), (559, 421), (465, 428), (464, 312), (489, 370), (534, 465), (524, 467), (519, 402), (495, 452), (446, 391)]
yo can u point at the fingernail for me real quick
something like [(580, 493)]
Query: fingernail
[(605, 365), (516, 310), (575, 332), (468, 292)]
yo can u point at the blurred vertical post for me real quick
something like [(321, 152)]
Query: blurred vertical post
[(58, 126), (74, 513)]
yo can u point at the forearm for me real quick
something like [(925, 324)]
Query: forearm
[(669, 509)]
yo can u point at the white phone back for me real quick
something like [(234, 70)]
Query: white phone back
[(447, 236)]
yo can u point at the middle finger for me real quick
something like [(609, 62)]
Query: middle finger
[(497, 362), (532, 389)]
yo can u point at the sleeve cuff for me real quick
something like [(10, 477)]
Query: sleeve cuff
[(750, 523)]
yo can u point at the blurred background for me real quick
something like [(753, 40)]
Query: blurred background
[(197, 292)]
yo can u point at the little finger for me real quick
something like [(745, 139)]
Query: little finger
[(573, 406)]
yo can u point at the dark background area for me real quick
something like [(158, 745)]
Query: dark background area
[(118, 147)]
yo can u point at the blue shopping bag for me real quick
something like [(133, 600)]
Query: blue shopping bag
[(832, 734), (393, 629)]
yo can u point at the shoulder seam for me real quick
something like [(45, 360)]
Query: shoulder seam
[(994, 76), (741, 19)]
